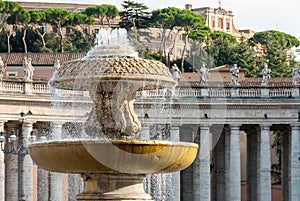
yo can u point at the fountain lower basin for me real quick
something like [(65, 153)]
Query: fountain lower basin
[(113, 156)]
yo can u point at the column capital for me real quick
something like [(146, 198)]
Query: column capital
[(235, 126), (205, 126), (265, 126), (175, 125), (295, 125)]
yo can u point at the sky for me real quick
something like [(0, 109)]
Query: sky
[(258, 15)]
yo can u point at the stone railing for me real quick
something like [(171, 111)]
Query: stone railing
[(227, 92), (38, 88), (42, 88)]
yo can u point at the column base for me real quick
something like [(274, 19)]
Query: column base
[(113, 187)]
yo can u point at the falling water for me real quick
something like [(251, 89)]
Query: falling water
[(112, 43)]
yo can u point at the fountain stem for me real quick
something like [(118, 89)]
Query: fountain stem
[(113, 187), (113, 111)]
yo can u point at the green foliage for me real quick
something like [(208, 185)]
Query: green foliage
[(102, 12), (7, 8), (134, 15), (37, 17), (200, 34), (275, 46), (16, 42), (81, 18), (59, 17), (244, 56), (165, 18), (78, 42), (220, 47), (31, 39), (53, 42), (3, 41)]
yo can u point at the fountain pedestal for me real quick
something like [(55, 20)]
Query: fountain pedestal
[(113, 187)]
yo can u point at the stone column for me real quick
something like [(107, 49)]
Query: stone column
[(2, 175), (11, 171), (264, 92), (28, 87), (234, 170), (216, 22), (295, 164), (202, 164), (251, 162), (27, 164), (55, 179), (264, 164), (145, 135), (295, 91), (145, 132), (285, 136), (174, 136), (224, 24), (230, 25), (219, 165), (43, 185)]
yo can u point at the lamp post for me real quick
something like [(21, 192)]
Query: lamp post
[(16, 146)]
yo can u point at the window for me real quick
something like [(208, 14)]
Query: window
[(42, 27), (220, 23), (11, 73)]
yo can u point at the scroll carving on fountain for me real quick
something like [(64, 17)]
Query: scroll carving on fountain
[(113, 162)]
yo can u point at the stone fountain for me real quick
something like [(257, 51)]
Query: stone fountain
[(113, 161)]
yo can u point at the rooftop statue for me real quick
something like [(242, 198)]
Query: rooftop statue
[(175, 73), (266, 73), (2, 67), (295, 75), (204, 74), (28, 69), (235, 74)]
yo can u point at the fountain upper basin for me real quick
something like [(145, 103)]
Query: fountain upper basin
[(113, 156), (144, 74)]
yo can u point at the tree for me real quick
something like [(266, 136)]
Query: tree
[(220, 47), (36, 19), (7, 9), (190, 21), (20, 20), (83, 20), (59, 18), (244, 56), (78, 42), (173, 21), (135, 15), (98, 12), (112, 13), (102, 12), (199, 37), (275, 46), (165, 20)]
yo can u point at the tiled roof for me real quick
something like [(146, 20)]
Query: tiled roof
[(39, 59)]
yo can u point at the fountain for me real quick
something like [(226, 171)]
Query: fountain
[(113, 161)]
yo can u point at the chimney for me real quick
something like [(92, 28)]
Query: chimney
[(188, 6)]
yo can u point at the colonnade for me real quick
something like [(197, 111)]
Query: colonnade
[(9, 175), (215, 174), (217, 169)]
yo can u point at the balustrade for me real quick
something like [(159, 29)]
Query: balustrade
[(211, 91)]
